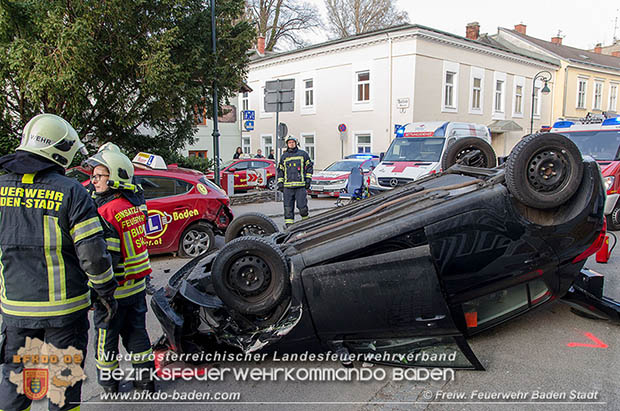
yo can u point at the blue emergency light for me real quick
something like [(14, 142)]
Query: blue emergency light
[(400, 132), (562, 124), (614, 121)]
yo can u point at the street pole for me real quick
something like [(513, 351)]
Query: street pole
[(216, 132), (544, 76)]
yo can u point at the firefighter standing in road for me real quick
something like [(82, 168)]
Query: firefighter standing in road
[(51, 247), (294, 177), (124, 226)]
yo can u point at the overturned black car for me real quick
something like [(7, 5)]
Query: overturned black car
[(421, 267)]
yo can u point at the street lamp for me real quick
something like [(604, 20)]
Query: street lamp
[(216, 131), (546, 77)]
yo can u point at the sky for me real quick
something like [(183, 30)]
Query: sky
[(583, 23)]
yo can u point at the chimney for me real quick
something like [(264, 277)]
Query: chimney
[(260, 45), (556, 40), (598, 49), (520, 28), (472, 30), (615, 53)]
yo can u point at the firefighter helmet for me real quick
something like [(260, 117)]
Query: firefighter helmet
[(118, 165), (52, 137), (292, 138)]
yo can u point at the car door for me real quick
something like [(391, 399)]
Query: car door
[(165, 202), (241, 177), (390, 304)]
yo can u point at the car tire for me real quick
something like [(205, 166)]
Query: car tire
[(462, 146), (250, 224), (271, 184), (613, 219), (544, 170), (250, 275), (196, 240)]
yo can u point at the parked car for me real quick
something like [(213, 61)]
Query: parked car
[(244, 171), (600, 139), (416, 269), (424, 148), (185, 209), (362, 155), (333, 179)]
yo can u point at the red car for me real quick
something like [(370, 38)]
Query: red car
[(333, 180), (246, 176), (185, 208)]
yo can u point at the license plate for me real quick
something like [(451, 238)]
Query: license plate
[(316, 188)]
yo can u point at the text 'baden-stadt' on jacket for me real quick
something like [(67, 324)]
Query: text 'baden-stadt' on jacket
[(51, 248), (125, 234), (294, 168)]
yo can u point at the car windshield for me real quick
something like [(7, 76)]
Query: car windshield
[(415, 149), (601, 145), (343, 166)]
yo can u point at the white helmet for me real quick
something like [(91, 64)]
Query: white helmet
[(52, 137), (118, 165), (109, 146)]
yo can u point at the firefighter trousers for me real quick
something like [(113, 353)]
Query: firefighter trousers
[(292, 196), (74, 335), (129, 324)]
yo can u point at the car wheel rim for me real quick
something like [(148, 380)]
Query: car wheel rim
[(272, 184), (548, 170), (249, 276), (477, 160), (195, 243), (252, 230), (615, 216)]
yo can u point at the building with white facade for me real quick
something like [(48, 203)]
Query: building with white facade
[(372, 82)]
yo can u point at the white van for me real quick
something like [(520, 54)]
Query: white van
[(417, 151)]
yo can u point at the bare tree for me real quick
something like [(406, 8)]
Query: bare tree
[(350, 17), (283, 23)]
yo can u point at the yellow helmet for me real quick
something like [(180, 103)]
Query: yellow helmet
[(52, 137)]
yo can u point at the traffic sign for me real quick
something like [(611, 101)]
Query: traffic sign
[(248, 115), (342, 128), (280, 95), (248, 125)]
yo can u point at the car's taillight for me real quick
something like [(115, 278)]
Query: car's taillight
[(595, 245)]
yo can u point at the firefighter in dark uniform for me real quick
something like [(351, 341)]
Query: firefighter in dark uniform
[(124, 227), (294, 177), (51, 248)]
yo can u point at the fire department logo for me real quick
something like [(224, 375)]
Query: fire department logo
[(36, 382)]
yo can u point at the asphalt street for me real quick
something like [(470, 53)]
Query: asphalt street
[(531, 355)]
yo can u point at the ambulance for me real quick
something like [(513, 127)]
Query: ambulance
[(417, 150), (599, 137)]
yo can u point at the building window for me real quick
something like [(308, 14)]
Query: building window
[(613, 97), (363, 143), (197, 153), (449, 90), (308, 145), (581, 93), (308, 93), (499, 96), (519, 100), (476, 94), (245, 101), (598, 95), (245, 144), (363, 86), (536, 101), (267, 144)]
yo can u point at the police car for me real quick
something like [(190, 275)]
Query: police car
[(424, 148), (599, 138), (185, 209)]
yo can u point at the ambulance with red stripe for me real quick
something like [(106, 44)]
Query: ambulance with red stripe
[(599, 138), (417, 149)]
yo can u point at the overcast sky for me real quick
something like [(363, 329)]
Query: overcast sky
[(583, 23)]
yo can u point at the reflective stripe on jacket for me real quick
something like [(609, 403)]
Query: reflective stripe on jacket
[(51, 247), (294, 168), (125, 236)]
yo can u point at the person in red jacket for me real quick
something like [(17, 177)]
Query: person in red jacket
[(124, 229)]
